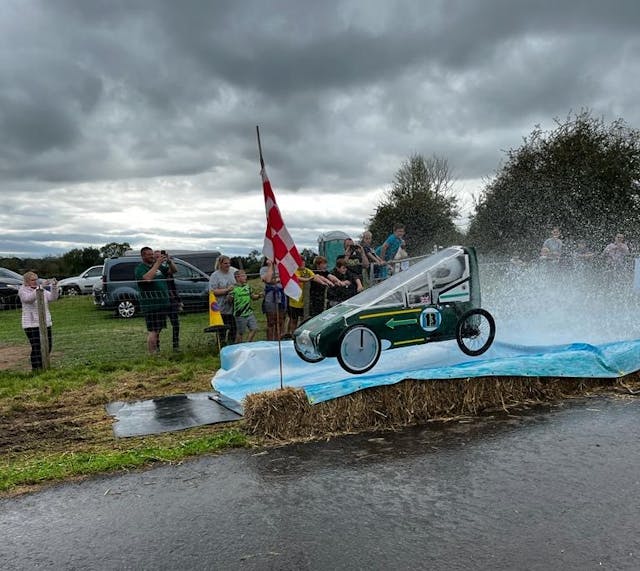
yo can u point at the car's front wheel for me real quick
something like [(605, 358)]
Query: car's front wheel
[(126, 308), (359, 349), (71, 290)]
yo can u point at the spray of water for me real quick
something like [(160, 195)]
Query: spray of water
[(548, 304)]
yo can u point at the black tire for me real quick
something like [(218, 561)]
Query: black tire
[(475, 331), (71, 290), (359, 361), (126, 308), (304, 357)]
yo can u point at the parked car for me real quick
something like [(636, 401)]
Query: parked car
[(118, 290), (82, 284), (10, 281)]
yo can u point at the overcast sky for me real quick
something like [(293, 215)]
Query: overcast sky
[(134, 121)]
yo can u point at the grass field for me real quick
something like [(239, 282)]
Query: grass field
[(53, 424)]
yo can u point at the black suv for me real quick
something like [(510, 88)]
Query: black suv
[(119, 291)]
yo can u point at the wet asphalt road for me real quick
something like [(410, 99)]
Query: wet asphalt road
[(555, 488)]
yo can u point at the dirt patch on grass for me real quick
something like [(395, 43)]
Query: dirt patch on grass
[(43, 428), (77, 419), (49, 426), (15, 357)]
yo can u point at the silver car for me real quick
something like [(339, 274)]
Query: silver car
[(82, 284)]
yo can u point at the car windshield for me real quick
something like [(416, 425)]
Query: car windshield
[(5, 273), (390, 290)]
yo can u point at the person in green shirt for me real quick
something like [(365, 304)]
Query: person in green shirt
[(151, 275), (242, 296)]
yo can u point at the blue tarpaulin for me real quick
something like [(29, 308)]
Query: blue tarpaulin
[(255, 367)]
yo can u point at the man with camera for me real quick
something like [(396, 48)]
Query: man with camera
[(152, 274), (355, 257), (175, 303)]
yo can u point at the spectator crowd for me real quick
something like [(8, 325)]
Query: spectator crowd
[(614, 263)]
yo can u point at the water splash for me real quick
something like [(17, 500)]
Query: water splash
[(541, 304)]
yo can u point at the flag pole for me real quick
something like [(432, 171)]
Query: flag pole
[(259, 147), (278, 332)]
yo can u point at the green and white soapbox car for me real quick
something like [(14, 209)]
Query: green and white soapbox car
[(436, 299)]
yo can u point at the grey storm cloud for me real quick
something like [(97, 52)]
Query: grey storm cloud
[(96, 92)]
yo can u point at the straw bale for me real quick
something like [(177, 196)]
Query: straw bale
[(285, 414)]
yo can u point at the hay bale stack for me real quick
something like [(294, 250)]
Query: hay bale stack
[(286, 413)]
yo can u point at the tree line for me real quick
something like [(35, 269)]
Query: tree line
[(582, 176), (77, 260), (68, 264)]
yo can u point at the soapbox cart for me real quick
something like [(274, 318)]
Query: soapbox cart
[(436, 299)]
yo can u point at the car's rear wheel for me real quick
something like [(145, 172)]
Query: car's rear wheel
[(475, 331), (126, 308), (359, 349)]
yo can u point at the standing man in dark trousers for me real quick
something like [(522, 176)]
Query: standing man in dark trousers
[(151, 275), (175, 304)]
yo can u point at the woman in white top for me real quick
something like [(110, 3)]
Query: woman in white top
[(30, 321)]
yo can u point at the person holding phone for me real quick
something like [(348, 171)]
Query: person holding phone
[(356, 258), (151, 275), (175, 303), (28, 294)]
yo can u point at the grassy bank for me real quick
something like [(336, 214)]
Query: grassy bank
[(53, 425)]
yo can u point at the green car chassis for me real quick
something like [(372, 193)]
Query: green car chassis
[(436, 299)]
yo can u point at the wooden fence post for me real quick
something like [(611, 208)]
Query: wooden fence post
[(306, 288), (42, 323)]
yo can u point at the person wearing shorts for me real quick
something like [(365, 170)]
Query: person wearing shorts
[(242, 295), (274, 304), (151, 275)]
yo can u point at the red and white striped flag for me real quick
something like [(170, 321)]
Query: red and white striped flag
[(278, 244)]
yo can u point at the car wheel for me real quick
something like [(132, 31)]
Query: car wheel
[(126, 308), (475, 331), (71, 290), (359, 350)]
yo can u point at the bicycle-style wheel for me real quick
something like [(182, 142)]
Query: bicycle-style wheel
[(475, 331)]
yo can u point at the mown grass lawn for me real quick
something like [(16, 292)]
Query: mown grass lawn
[(53, 425)]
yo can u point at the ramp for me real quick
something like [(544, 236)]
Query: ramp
[(171, 413)]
